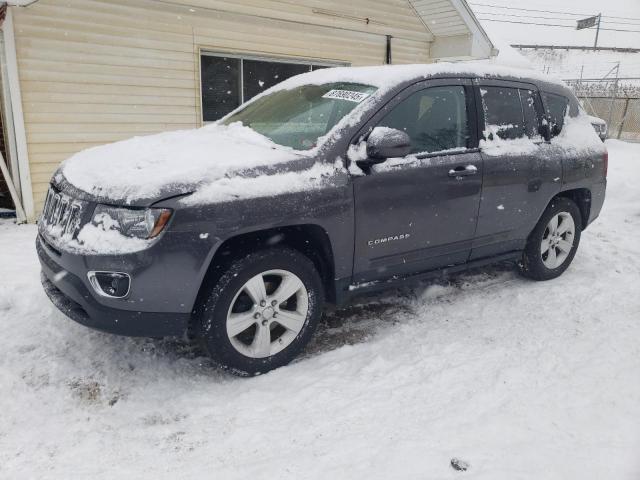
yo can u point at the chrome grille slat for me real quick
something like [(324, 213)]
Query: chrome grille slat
[(61, 214)]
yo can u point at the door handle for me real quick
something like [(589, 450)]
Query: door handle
[(463, 171)]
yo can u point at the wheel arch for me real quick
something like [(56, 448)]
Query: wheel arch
[(311, 240), (582, 198)]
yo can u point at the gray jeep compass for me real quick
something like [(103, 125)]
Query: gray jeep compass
[(332, 183)]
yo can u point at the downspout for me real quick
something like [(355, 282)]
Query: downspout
[(15, 99), (387, 59)]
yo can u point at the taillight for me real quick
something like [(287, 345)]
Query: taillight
[(605, 161)]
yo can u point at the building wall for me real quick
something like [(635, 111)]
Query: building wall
[(94, 71)]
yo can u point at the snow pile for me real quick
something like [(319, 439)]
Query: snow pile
[(142, 167), (578, 135)]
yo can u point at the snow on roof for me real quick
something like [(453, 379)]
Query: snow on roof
[(387, 76)]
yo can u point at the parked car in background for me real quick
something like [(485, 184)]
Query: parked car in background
[(600, 126), (332, 183)]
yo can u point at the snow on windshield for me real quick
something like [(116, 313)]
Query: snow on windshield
[(300, 117)]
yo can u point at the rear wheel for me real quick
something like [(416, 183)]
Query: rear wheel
[(262, 312), (553, 242)]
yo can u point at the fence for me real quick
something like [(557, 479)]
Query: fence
[(617, 101)]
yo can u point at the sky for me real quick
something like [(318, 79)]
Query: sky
[(626, 13)]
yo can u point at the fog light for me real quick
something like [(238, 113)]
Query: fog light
[(110, 284)]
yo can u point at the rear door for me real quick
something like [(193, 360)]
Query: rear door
[(419, 212), (521, 173)]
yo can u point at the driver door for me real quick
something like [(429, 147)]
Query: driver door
[(419, 212)]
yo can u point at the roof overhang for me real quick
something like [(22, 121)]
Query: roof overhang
[(456, 30)]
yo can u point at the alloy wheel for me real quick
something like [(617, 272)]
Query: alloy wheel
[(267, 313), (557, 240)]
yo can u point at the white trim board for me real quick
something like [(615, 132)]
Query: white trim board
[(15, 98)]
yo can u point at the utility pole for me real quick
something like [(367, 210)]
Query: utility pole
[(615, 92), (588, 23), (595, 44)]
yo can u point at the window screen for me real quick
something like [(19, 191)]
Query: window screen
[(502, 112), (435, 119), (227, 82), (556, 110)]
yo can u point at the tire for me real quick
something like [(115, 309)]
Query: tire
[(238, 324), (542, 263)]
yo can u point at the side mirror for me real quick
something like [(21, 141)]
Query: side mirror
[(384, 142)]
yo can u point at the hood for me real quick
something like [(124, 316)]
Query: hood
[(142, 170)]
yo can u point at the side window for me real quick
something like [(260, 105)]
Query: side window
[(435, 119), (556, 110), (531, 114), (502, 112)]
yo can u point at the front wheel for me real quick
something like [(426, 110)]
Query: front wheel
[(262, 312), (553, 242)]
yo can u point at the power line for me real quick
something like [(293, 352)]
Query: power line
[(549, 11), (553, 25), (515, 15)]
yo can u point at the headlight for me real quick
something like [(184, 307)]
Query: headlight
[(138, 223)]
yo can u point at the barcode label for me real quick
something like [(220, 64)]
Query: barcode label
[(348, 95)]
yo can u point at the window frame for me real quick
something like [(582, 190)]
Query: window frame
[(538, 107), (207, 52), (547, 112), (391, 103)]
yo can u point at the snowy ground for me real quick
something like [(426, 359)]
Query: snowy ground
[(520, 379)]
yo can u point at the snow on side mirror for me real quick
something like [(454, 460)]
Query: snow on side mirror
[(385, 142)]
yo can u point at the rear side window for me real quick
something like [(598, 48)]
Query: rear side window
[(502, 112), (556, 110), (435, 119), (510, 113)]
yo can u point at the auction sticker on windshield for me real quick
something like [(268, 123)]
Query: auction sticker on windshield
[(348, 95)]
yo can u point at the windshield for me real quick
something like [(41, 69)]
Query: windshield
[(298, 117)]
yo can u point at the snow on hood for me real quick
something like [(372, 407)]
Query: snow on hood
[(170, 163)]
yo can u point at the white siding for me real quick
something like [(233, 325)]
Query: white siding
[(96, 71)]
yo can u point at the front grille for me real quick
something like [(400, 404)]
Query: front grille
[(62, 214)]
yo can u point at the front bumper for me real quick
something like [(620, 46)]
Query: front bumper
[(71, 295)]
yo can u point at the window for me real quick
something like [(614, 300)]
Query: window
[(435, 119), (298, 117), (220, 77), (556, 110), (510, 113), (227, 82), (502, 112)]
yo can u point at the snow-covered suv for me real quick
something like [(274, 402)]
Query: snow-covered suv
[(332, 183)]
